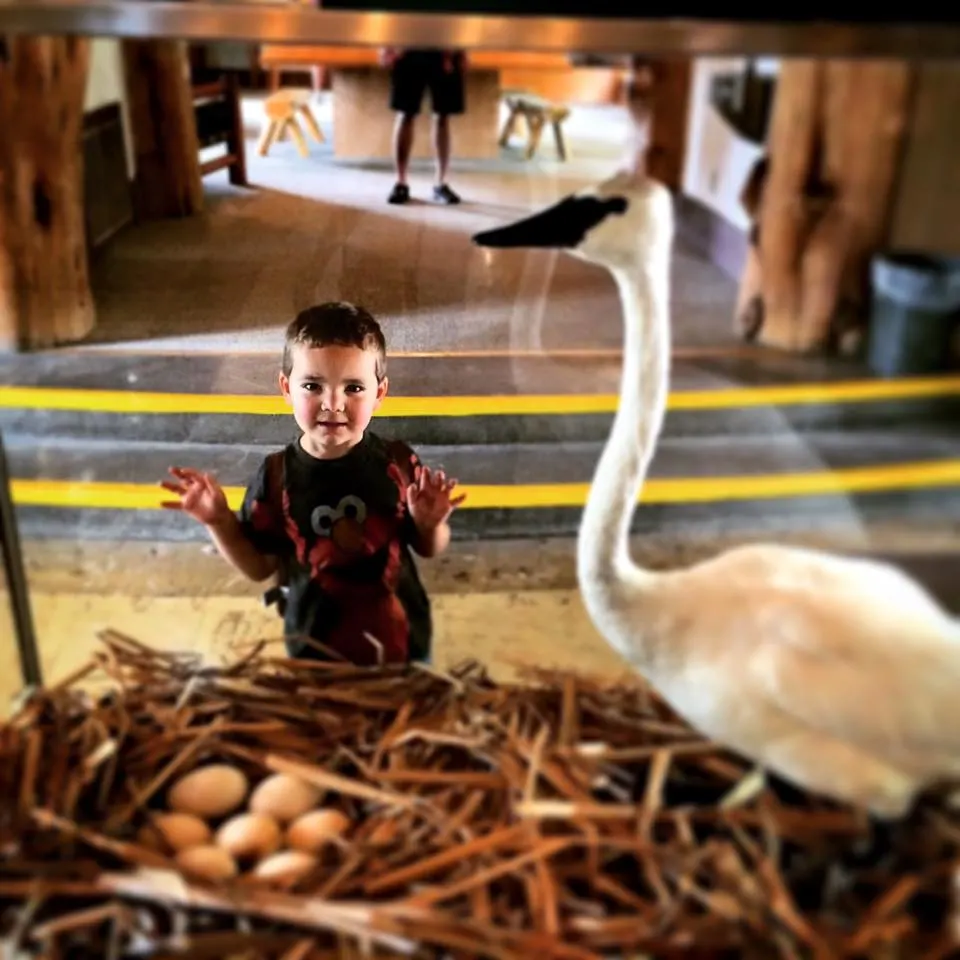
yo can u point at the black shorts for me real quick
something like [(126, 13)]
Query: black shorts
[(419, 70)]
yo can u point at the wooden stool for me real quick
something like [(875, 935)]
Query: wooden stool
[(538, 113), (281, 109)]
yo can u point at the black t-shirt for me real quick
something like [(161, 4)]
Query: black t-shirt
[(341, 530)]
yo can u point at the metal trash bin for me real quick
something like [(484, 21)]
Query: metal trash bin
[(915, 307)]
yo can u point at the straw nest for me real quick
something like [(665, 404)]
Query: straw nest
[(451, 816)]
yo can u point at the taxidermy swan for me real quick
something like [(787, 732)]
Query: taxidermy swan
[(839, 674)]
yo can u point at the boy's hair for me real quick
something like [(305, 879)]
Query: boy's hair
[(339, 324)]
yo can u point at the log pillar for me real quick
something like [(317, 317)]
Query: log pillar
[(45, 296), (163, 129), (668, 121), (821, 201), (658, 99)]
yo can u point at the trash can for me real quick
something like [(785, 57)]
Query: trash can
[(915, 307)]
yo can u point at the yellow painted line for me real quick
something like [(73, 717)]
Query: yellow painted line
[(139, 401), (150, 402), (870, 479)]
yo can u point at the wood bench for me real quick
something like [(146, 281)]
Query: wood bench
[(538, 113), (283, 109)]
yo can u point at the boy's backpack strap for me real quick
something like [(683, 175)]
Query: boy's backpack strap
[(403, 456), (274, 491), (274, 480)]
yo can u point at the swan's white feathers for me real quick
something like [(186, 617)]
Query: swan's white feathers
[(846, 647), (840, 673)]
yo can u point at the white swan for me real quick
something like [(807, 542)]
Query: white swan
[(841, 675)]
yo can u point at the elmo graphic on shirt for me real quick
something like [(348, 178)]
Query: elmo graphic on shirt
[(353, 556)]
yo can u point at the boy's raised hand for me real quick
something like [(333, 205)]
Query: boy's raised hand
[(429, 498), (201, 497)]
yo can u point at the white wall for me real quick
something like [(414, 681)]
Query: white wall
[(717, 159), (105, 85)]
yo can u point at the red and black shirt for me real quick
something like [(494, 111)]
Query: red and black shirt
[(342, 533)]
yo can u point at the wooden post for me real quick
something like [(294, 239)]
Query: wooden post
[(45, 296), (163, 129), (668, 121), (657, 98), (824, 201)]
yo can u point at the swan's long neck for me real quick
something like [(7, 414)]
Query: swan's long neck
[(603, 549)]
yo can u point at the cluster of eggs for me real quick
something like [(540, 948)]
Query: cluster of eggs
[(277, 839)]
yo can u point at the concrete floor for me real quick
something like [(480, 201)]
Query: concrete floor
[(314, 229)]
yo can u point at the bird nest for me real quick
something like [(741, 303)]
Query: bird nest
[(559, 818)]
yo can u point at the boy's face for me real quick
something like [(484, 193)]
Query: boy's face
[(334, 393)]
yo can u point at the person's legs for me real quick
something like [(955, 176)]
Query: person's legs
[(441, 146), (447, 99), (407, 83), (402, 145)]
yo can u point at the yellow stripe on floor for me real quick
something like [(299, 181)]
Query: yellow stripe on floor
[(870, 479), (149, 402)]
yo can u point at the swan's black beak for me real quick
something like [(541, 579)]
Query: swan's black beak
[(565, 224)]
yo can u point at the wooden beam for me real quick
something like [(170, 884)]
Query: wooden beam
[(824, 202), (657, 97), (163, 128), (670, 99), (45, 296)]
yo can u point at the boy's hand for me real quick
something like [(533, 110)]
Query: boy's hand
[(201, 497), (429, 498)]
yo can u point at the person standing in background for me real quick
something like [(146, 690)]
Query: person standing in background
[(411, 73)]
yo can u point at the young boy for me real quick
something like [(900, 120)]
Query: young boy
[(337, 512)]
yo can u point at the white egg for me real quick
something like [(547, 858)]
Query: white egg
[(250, 835), (211, 791), (285, 868), (207, 863), (176, 831), (314, 830), (284, 797)]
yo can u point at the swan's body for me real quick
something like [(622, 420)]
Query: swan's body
[(840, 674)]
